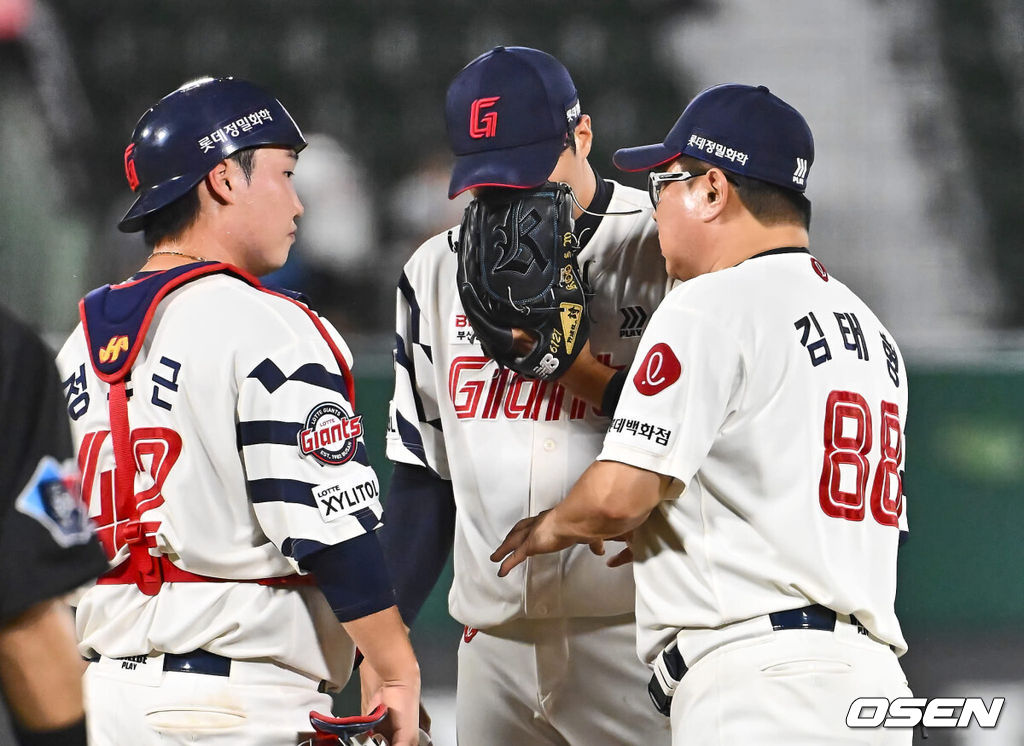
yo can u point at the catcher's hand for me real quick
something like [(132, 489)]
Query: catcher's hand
[(357, 730), (517, 268)]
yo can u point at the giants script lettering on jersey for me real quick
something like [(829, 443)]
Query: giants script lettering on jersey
[(509, 395)]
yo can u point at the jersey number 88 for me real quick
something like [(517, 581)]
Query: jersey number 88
[(846, 472)]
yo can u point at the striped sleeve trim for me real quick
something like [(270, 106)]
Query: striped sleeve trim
[(402, 359), (314, 374), (367, 519), (281, 490), (362, 457), (411, 438), (299, 549), (269, 375), (273, 432), (259, 432), (405, 287)]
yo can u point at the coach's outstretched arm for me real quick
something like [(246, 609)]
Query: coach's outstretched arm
[(610, 499)]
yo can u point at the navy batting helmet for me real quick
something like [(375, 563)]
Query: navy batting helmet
[(188, 132)]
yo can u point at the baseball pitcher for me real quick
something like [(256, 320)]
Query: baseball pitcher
[(482, 436)]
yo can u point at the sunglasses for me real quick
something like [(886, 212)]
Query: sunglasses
[(657, 180)]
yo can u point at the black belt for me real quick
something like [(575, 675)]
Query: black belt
[(814, 616), (197, 661), (670, 668)]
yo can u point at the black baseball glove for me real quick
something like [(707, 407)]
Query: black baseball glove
[(518, 269)]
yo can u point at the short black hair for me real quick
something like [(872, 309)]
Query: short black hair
[(171, 220), (769, 203)]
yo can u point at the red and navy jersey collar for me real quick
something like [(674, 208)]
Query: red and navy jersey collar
[(116, 317)]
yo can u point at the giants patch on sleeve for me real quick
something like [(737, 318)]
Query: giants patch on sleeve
[(330, 435), (336, 499)]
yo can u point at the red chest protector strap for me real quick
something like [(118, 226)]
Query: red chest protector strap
[(142, 568)]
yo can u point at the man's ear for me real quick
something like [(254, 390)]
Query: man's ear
[(718, 194), (220, 181), (584, 136)]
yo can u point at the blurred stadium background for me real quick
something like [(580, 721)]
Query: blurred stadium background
[(917, 107)]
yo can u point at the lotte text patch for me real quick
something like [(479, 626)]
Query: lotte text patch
[(336, 499)]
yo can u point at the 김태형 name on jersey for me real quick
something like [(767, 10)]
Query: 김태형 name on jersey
[(812, 337)]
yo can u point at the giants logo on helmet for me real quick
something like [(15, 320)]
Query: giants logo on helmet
[(330, 435), (484, 125), (129, 167)]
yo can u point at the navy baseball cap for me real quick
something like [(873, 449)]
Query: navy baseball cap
[(746, 130), (507, 113)]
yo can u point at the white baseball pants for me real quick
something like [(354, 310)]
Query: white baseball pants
[(787, 688), (558, 682), (258, 704)]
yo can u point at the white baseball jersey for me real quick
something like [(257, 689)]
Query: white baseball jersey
[(779, 400), (250, 458), (513, 446)]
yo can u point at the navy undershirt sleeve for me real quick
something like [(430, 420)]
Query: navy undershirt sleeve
[(353, 577), (612, 392), (418, 532)]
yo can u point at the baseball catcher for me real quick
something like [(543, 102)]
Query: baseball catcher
[(517, 268)]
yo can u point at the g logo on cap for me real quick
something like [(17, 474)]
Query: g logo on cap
[(483, 125), (659, 370)]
